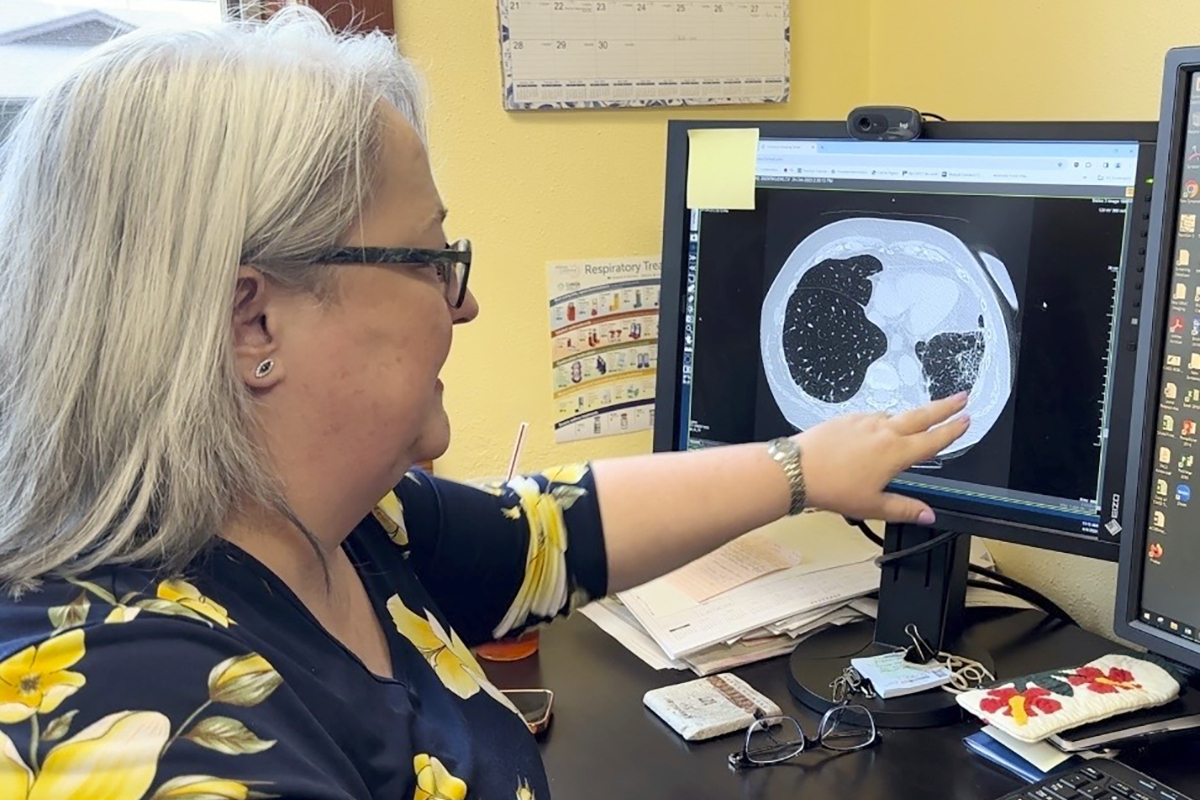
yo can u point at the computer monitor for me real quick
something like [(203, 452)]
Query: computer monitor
[(1005, 259), (1158, 599)]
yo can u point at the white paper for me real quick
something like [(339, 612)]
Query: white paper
[(828, 545), (891, 676), (728, 567), (837, 567), (723, 657), (603, 344), (682, 626), (1042, 755), (618, 623), (605, 53)]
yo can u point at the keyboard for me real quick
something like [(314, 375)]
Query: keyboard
[(1099, 779)]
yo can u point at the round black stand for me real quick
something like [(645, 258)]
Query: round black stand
[(817, 661)]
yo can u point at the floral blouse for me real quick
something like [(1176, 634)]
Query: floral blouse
[(219, 684)]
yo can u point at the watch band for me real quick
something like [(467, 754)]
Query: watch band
[(786, 453)]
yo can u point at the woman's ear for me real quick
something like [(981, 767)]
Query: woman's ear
[(255, 343)]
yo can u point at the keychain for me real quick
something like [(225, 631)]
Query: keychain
[(965, 673)]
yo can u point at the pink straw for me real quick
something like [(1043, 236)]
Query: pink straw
[(516, 453)]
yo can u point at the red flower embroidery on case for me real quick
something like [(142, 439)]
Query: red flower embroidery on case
[(1020, 705), (1100, 682)]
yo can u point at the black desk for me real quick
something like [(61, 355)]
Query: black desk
[(604, 744)]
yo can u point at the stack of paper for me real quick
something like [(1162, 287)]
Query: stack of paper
[(753, 599)]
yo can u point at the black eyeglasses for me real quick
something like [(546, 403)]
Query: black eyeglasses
[(453, 264), (774, 740)]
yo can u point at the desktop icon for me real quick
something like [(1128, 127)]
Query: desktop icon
[(1170, 391), (1188, 427), (1161, 488), (1184, 258), (1164, 455), (1168, 423), (1194, 361), (1174, 361), (1187, 223), (1181, 291), (1192, 396), (1156, 551), (1174, 626), (1195, 326), (1186, 462), (1176, 324), (1191, 189), (1158, 519), (1183, 493)]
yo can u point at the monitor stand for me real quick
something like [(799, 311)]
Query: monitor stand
[(927, 590)]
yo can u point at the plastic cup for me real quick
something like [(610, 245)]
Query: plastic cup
[(513, 649)]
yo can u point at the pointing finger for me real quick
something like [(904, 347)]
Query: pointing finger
[(925, 417)]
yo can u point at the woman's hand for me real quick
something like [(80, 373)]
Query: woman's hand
[(848, 461)]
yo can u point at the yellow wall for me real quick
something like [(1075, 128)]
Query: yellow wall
[(529, 188), (1032, 59), (533, 187), (1026, 59)]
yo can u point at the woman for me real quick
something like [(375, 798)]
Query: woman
[(208, 381)]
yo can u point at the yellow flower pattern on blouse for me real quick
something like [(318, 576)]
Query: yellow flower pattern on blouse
[(452, 662), (390, 514), (567, 474), (117, 757), (188, 596), (205, 787), (434, 781), (544, 589), (114, 758), (53, 747), (122, 613), (37, 679)]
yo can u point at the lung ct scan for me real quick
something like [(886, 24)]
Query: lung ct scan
[(872, 315)]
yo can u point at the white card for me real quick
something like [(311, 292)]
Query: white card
[(891, 676)]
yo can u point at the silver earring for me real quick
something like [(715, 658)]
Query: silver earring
[(264, 368)]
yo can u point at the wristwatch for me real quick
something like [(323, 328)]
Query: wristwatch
[(786, 453)]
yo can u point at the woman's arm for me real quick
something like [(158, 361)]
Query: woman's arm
[(664, 510)]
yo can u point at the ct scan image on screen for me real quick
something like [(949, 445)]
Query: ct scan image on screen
[(870, 314), (828, 301)]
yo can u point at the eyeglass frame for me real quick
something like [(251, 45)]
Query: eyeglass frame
[(444, 261), (742, 760)]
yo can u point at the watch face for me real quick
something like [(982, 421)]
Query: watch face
[(787, 453), (785, 447)]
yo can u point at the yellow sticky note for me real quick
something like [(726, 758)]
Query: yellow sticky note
[(721, 165)]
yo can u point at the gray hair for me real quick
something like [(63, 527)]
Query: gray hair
[(130, 193)]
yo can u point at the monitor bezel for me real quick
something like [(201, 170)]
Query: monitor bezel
[(1181, 65), (666, 421)]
